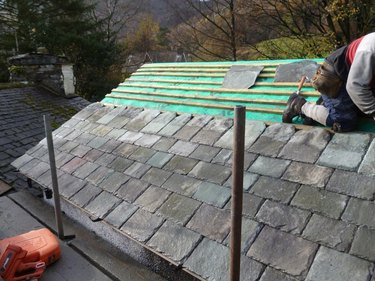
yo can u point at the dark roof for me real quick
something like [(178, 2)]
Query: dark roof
[(163, 179), (21, 123)]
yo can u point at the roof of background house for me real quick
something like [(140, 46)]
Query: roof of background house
[(21, 123), (163, 179)]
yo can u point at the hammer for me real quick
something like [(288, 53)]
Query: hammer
[(300, 85)]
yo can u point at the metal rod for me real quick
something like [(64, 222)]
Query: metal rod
[(55, 187), (237, 191)]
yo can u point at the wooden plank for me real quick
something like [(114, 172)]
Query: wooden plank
[(211, 98), (200, 70), (262, 75), (222, 90), (178, 102), (208, 65)]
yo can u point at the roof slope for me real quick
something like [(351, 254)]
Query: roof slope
[(164, 180), (21, 123)]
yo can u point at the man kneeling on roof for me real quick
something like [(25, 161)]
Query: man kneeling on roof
[(346, 81)]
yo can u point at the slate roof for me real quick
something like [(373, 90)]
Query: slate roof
[(21, 123), (163, 179)]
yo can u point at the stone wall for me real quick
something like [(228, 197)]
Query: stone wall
[(49, 71)]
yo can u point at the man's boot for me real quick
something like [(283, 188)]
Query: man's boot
[(293, 109)]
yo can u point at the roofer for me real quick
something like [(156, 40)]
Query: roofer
[(346, 82)]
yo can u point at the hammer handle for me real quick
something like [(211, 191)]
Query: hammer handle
[(300, 85)]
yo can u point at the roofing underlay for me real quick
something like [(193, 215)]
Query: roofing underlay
[(197, 88)]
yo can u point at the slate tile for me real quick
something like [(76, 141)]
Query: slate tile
[(329, 232), (137, 170), (86, 195), (120, 164), (46, 179), (311, 142), (142, 225), (253, 129), (361, 244), (73, 135), (271, 274), (331, 265), (273, 139), (80, 150), (360, 212), (102, 205), (283, 217), (113, 181), (353, 184), (181, 184), (269, 166), (183, 148), (308, 174), (99, 175), (152, 198), (320, 201), (250, 204), (115, 134), (159, 122), (179, 208), (283, 251), (69, 185), (249, 232), (85, 170), (211, 172), (223, 157), (181, 165), (212, 194), (97, 142), (73, 165), (192, 127), (275, 189), (93, 155), (205, 153), (142, 119), (345, 151), (175, 125), (211, 222), (211, 133), (132, 189), (125, 117), (142, 154), (218, 271), (368, 164), (159, 159), (105, 159), (121, 214), (125, 149), (164, 144), (156, 176), (130, 137), (68, 146), (248, 180), (147, 140), (174, 241), (38, 170), (107, 118), (110, 146)]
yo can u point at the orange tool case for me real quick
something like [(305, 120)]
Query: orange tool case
[(24, 257)]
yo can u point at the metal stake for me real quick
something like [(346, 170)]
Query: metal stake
[(237, 190), (55, 187)]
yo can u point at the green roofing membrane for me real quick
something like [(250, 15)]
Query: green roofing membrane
[(196, 88)]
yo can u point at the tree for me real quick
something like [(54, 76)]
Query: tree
[(212, 30)]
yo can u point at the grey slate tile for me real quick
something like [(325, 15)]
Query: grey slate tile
[(307, 174), (152, 198), (205, 153), (86, 195), (182, 184), (174, 241), (179, 208), (69, 185), (212, 194), (345, 151), (115, 134), (110, 146), (250, 204), (147, 140), (275, 189), (223, 157), (142, 119), (368, 164), (132, 189), (218, 271), (192, 127), (283, 217), (320, 201), (273, 139), (121, 214), (80, 151), (271, 274), (38, 170), (156, 176), (353, 184), (105, 159), (85, 170), (120, 164), (267, 166), (142, 154), (99, 175), (102, 205), (306, 145), (360, 212), (113, 181), (283, 251), (107, 118), (125, 149), (46, 180), (183, 148), (137, 170), (97, 142), (93, 155), (362, 244), (159, 159), (331, 265), (73, 165), (329, 232), (211, 222), (175, 125), (68, 146), (142, 225), (211, 133), (248, 180), (211, 172), (164, 144), (181, 165), (130, 137)]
